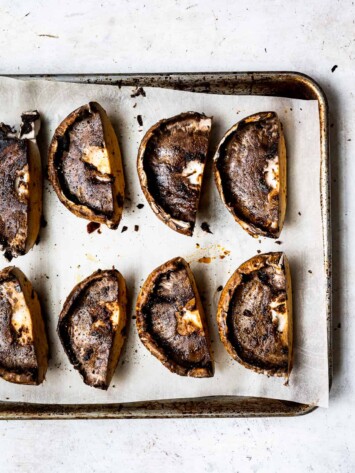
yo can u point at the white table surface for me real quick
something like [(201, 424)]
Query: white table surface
[(166, 36)]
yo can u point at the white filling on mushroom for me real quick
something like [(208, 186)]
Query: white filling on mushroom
[(114, 309), (20, 318), (189, 321), (194, 172), (97, 157), (21, 182), (279, 317), (271, 171)]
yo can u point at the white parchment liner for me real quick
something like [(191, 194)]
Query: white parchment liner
[(67, 253)]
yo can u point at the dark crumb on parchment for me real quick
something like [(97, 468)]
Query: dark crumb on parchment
[(140, 206), (310, 272), (299, 213), (219, 288), (8, 255), (278, 242), (206, 228), (124, 229), (258, 251), (43, 222), (140, 120), (92, 227), (334, 67), (136, 228), (139, 91), (134, 106)]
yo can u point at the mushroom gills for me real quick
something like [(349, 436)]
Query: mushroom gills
[(171, 322), (92, 326), (85, 166), (250, 173), (20, 186), (23, 340), (171, 162), (255, 315)]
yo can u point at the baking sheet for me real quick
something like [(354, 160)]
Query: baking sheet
[(67, 253)]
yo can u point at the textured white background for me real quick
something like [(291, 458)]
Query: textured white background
[(208, 35)]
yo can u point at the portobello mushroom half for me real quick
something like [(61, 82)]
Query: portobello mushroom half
[(20, 186), (23, 340), (250, 173), (255, 315), (85, 167), (92, 326), (171, 322), (171, 161)]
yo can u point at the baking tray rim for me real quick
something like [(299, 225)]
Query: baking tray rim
[(250, 83)]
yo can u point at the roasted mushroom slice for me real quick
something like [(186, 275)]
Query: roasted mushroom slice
[(20, 186), (23, 341), (171, 161), (85, 167), (171, 322), (255, 315), (92, 326), (250, 173)]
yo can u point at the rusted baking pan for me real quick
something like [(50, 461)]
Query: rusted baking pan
[(282, 84)]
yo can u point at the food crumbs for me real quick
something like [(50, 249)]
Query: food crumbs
[(8, 255), (310, 272), (225, 253), (219, 288), (205, 259), (140, 206), (91, 258), (124, 229), (206, 228), (334, 67), (92, 227), (136, 228), (140, 120), (278, 242), (139, 91)]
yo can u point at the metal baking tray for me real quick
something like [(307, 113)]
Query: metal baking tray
[(282, 84)]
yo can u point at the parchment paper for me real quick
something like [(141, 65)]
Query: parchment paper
[(67, 253)]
